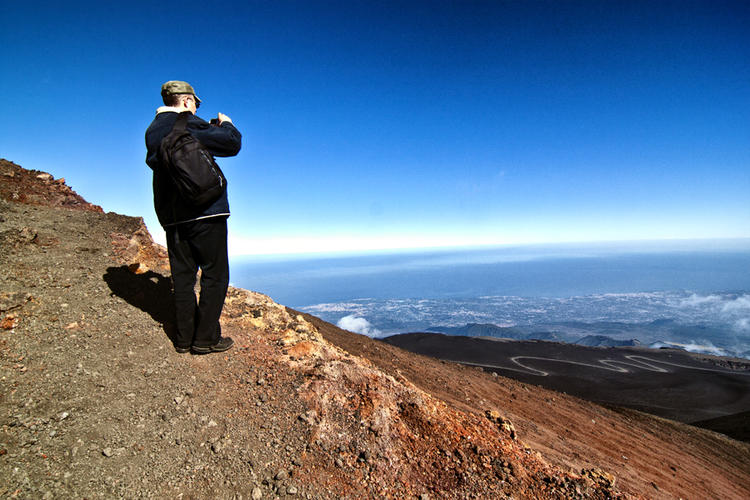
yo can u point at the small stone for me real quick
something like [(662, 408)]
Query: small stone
[(63, 415), (291, 490), (257, 493), (211, 423), (281, 475), (339, 463), (107, 452)]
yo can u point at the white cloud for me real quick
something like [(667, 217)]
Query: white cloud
[(358, 325), (737, 305), (704, 347), (731, 309), (334, 307), (697, 300)]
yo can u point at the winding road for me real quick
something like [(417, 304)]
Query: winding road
[(613, 365)]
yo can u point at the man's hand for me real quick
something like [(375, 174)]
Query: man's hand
[(223, 118)]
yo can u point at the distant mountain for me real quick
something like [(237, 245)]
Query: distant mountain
[(544, 335), (604, 341), (495, 331), (480, 330), (664, 332)]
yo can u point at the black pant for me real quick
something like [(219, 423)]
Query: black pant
[(192, 245)]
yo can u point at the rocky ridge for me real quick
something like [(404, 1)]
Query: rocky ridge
[(96, 403)]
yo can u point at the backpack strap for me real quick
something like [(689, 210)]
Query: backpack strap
[(182, 119), (177, 130)]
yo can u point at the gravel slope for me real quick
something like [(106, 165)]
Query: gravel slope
[(96, 403)]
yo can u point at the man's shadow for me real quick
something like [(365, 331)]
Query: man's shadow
[(150, 292)]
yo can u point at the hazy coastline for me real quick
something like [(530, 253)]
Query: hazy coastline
[(691, 293)]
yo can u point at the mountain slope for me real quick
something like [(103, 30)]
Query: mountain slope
[(650, 456), (669, 383), (95, 401)]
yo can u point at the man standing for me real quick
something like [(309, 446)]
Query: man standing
[(196, 235)]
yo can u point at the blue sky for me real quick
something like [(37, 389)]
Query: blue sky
[(403, 124)]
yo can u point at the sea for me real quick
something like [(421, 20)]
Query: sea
[(693, 295)]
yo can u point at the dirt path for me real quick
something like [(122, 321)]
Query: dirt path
[(95, 401)]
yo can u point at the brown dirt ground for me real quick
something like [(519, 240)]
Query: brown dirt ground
[(651, 457), (669, 383), (96, 403)]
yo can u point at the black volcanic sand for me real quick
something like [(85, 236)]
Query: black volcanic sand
[(670, 383)]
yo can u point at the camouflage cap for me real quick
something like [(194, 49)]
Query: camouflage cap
[(173, 87)]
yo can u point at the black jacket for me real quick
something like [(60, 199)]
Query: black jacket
[(224, 140)]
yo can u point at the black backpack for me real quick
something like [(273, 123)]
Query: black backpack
[(195, 174)]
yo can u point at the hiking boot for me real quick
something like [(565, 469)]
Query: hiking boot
[(224, 344), (182, 350)]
